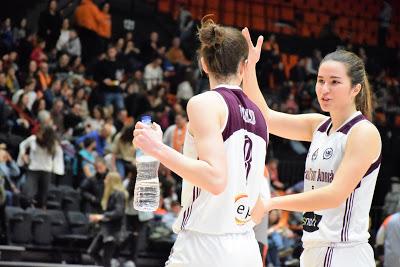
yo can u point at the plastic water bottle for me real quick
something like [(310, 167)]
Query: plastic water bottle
[(147, 187)]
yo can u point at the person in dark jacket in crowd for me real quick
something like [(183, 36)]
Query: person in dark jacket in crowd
[(113, 204), (92, 188)]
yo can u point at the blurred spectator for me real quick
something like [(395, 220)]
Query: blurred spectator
[(152, 48), (392, 199), (131, 57), (87, 17), (3, 219), (4, 90), (312, 64), (96, 119), (183, 16), (21, 31), (123, 150), (104, 27), (174, 136), (44, 77), (29, 91), (38, 54), (92, 187), (175, 54), (12, 80), (113, 203), (153, 73), (74, 118), (29, 74), (43, 157), (298, 72), (385, 16), (272, 166), (6, 35), (100, 136), (50, 24), (9, 170), (388, 236), (108, 80), (64, 35), (73, 44)]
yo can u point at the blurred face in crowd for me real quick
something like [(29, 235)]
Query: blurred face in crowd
[(112, 53), (2, 79), (76, 110), (32, 66), (100, 167), (23, 23), (138, 75), (64, 60), (176, 42), (7, 22), (73, 34), (106, 8), (180, 121), (65, 24), (13, 56), (333, 88), (44, 67), (53, 5), (154, 37), (58, 106), (106, 130)]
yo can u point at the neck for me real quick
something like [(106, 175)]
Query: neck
[(232, 80), (339, 117)]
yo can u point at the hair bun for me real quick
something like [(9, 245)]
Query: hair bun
[(211, 34)]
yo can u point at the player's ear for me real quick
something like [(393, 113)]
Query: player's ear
[(203, 65)]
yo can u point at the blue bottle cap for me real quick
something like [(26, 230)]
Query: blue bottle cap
[(146, 119)]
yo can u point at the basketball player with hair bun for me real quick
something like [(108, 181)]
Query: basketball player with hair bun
[(222, 163)]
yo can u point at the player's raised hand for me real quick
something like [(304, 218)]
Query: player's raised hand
[(254, 51)]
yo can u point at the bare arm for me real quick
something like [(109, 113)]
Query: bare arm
[(209, 172), (356, 161), (295, 127)]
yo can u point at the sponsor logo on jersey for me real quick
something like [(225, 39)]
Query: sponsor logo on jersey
[(247, 115), (242, 209), (319, 175), (327, 153), (314, 155), (311, 221)]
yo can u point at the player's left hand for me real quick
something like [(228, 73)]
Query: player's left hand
[(147, 137), (254, 51)]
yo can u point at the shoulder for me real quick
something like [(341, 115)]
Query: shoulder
[(365, 131), (206, 98), (364, 137)]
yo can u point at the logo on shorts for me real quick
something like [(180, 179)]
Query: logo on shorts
[(314, 155), (242, 209), (311, 221), (327, 153)]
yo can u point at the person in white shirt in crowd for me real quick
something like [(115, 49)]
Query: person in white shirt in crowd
[(42, 154)]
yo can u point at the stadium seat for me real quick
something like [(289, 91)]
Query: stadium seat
[(19, 225), (41, 223)]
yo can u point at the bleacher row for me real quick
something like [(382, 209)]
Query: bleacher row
[(296, 17), (61, 226)]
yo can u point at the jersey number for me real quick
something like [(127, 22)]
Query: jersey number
[(247, 149)]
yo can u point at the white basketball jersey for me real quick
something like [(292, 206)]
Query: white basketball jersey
[(348, 223), (245, 139)]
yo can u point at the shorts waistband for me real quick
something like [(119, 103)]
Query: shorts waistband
[(332, 244)]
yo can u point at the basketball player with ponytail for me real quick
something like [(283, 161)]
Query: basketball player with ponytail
[(342, 164), (222, 163)]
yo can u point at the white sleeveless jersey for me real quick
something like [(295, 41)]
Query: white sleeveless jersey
[(245, 139), (348, 223)]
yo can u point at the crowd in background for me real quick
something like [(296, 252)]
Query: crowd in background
[(71, 92)]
